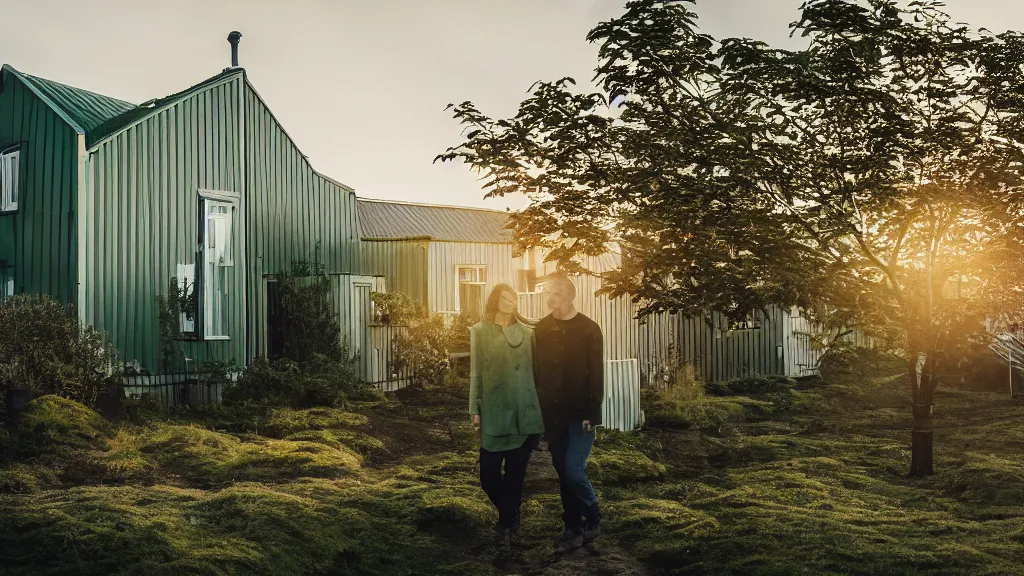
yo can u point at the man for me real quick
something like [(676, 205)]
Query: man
[(569, 373)]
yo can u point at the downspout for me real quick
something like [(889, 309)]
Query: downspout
[(247, 307), (81, 199)]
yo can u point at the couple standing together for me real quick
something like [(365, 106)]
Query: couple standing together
[(527, 380)]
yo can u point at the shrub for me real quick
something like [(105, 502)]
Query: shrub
[(424, 350), (321, 381), (751, 386), (393, 308), (48, 351), (309, 324)]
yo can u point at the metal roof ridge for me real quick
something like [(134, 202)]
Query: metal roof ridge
[(245, 78), (427, 205), (31, 85), (156, 106)]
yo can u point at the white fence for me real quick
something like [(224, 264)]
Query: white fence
[(621, 405)]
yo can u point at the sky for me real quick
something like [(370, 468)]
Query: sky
[(361, 85)]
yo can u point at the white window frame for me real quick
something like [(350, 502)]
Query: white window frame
[(753, 322), (219, 200), (478, 268), (10, 168)]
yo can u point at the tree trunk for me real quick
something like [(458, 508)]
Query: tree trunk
[(921, 461)]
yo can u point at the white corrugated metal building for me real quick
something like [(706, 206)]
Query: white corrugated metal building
[(451, 257)]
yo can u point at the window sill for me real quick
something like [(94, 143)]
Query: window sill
[(216, 338), (7, 211)]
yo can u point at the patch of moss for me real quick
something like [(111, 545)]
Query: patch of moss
[(622, 466), (361, 443), (54, 425), (986, 479), (208, 458), (20, 478), (284, 421), (455, 513), (708, 413)]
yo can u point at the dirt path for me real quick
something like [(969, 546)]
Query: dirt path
[(535, 556)]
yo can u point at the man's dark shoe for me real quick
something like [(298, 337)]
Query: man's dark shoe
[(592, 533), (571, 539), (505, 544)]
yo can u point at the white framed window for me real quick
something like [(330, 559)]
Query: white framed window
[(9, 168), (726, 327), (219, 217), (471, 280), (6, 282)]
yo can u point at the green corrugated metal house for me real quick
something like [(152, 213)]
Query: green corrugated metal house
[(103, 202)]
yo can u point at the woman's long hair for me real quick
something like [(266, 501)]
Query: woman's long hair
[(491, 308)]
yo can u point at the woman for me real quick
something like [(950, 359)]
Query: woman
[(503, 405)]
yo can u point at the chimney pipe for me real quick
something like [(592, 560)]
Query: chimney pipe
[(233, 38)]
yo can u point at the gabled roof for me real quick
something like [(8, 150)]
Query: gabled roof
[(137, 113), (98, 116), (387, 220), (82, 109)]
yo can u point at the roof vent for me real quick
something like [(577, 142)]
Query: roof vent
[(233, 38)]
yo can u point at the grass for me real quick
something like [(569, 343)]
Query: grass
[(786, 478)]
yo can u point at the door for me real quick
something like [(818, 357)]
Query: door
[(362, 316)]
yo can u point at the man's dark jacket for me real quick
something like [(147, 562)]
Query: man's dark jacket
[(569, 371)]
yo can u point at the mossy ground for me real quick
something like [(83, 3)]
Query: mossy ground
[(801, 480)]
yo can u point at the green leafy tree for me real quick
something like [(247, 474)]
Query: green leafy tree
[(875, 172)]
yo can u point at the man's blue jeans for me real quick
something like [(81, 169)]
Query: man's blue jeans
[(570, 448)]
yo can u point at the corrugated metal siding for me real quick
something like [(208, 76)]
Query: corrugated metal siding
[(445, 257), (141, 213), (615, 316), (39, 240), (801, 357), (384, 220), (402, 263), (297, 214)]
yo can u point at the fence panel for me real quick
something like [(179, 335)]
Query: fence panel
[(621, 405)]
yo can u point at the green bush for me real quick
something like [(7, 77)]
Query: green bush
[(320, 381), (750, 386), (47, 350), (54, 425), (309, 324), (424, 348)]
